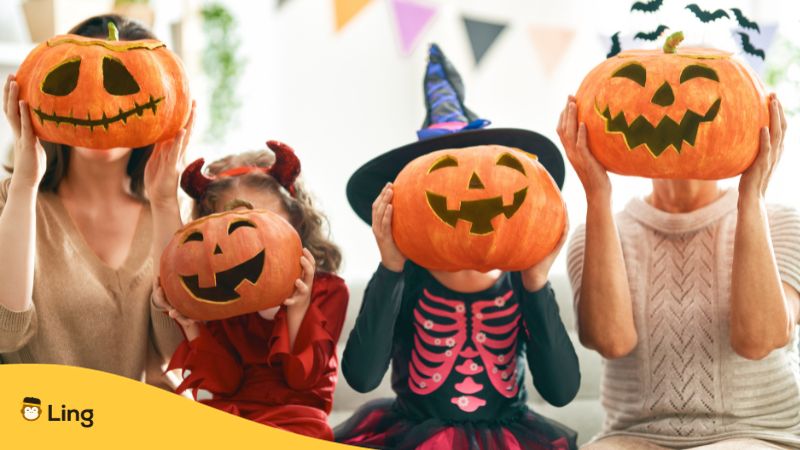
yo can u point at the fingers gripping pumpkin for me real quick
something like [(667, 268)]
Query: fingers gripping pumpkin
[(482, 208), (231, 263), (102, 94), (684, 113)]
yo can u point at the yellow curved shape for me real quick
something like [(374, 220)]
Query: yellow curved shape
[(124, 414)]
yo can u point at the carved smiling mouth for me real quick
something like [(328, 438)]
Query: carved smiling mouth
[(658, 137), (226, 282), (104, 121), (479, 213)]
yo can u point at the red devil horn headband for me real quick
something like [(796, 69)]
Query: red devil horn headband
[(285, 170)]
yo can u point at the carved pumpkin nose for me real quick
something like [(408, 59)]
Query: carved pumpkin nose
[(217, 250), (664, 95), (475, 182)]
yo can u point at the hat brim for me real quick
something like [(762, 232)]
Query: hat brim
[(368, 181)]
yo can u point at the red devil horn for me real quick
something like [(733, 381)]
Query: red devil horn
[(193, 182), (286, 167)]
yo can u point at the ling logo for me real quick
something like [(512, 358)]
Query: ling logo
[(31, 408)]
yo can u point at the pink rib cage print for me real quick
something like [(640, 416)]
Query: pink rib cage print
[(441, 324)]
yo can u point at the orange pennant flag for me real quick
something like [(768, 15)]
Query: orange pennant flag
[(345, 10), (551, 43)]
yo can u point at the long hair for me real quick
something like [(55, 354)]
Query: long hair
[(311, 224), (58, 154)]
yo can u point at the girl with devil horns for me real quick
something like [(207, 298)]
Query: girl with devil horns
[(277, 366)]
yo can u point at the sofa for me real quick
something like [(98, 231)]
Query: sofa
[(584, 414)]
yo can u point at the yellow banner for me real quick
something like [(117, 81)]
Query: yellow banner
[(51, 406)]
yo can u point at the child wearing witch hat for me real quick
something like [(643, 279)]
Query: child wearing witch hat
[(457, 340)]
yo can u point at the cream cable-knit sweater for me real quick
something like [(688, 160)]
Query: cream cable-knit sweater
[(683, 385)]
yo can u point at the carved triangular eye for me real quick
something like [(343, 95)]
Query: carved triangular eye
[(508, 160), (445, 161), (63, 78), (194, 236), (116, 78), (238, 224)]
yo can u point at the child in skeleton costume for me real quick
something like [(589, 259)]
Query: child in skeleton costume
[(277, 366), (458, 355)]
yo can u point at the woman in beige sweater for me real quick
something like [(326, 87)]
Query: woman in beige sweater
[(76, 236), (691, 295)]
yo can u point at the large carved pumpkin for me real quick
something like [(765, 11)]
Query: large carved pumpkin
[(683, 113), (231, 263), (101, 94), (485, 207)]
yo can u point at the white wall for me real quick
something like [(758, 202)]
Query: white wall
[(341, 99)]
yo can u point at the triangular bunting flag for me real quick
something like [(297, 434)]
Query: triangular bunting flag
[(551, 43), (757, 42), (411, 17), (481, 36), (345, 10)]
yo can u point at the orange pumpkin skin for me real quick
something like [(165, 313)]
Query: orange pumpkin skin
[(447, 210), (224, 248), (89, 115), (723, 147)]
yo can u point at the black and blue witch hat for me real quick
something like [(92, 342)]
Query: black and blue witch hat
[(448, 124)]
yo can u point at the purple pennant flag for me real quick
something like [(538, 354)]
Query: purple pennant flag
[(411, 19)]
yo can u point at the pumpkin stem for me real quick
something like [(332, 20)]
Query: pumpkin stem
[(113, 33), (237, 203), (672, 42)]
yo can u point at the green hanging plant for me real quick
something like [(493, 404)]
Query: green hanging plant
[(223, 66)]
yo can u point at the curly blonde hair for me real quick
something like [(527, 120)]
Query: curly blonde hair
[(311, 224)]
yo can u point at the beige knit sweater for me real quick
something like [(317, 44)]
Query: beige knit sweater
[(84, 313), (683, 385)]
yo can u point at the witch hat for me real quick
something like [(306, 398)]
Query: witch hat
[(448, 124)]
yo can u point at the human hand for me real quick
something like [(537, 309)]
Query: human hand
[(592, 174), (163, 171), (30, 161), (535, 277), (754, 181), (382, 210)]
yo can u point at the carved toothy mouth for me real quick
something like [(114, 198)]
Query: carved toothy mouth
[(658, 137), (105, 121), (226, 282), (479, 213)]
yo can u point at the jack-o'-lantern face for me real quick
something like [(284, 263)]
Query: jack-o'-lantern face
[(101, 94), (695, 113), (480, 208), (231, 263), (479, 212), (657, 136)]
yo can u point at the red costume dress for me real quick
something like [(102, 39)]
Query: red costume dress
[(245, 366)]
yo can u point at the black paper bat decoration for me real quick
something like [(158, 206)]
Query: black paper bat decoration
[(651, 36), (651, 6), (744, 22), (748, 48), (706, 16), (615, 47)]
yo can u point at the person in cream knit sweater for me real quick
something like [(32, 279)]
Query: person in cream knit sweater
[(691, 296)]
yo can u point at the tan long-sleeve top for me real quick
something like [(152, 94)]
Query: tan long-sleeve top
[(85, 313)]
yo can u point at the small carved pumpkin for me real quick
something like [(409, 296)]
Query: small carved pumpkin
[(484, 207), (101, 94), (231, 263), (682, 113)]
